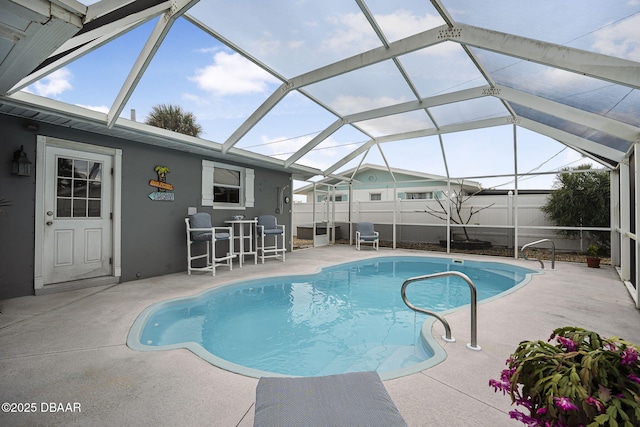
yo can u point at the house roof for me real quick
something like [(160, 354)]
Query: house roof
[(368, 73), (367, 168)]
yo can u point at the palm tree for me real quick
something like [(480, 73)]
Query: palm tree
[(172, 117)]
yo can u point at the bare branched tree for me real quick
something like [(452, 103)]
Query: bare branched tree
[(456, 214)]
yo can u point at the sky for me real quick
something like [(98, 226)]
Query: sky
[(222, 88)]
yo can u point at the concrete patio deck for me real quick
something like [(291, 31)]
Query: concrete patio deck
[(70, 348)]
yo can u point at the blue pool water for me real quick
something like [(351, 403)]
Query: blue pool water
[(345, 318)]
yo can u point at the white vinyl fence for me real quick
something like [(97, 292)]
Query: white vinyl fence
[(496, 224)]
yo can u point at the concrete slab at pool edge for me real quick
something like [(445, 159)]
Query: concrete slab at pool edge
[(71, 347)]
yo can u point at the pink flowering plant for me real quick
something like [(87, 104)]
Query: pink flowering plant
[(580, 380)]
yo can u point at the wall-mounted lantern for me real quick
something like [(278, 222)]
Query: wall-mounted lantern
[(20, 165)]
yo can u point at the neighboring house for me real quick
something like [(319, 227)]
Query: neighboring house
[(372, 200), (376, 183)]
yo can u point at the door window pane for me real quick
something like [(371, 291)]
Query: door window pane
[(65, 167), (95, 189), (64, 187), (63, 209), (95, 171), (80, 169), (79, 208), (79, 188), (94, 209)]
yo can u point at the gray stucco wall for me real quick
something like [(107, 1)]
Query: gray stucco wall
[(153, 232), (17, 222)]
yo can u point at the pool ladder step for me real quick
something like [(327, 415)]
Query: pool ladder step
[(396, 357), (402, 357)]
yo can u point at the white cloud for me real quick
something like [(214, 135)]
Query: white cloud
[(569, 81), (212, 49), (98, 108), (621, 40), (397, 123), (354, 32), (54, 84), (231, 74), (403, 23), (295, 44), (269, 45), (347, 104)]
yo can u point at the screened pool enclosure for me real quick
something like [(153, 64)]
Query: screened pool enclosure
[(501, 92)]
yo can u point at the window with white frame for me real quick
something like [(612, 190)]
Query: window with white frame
[(375, 196), (419, 195), (226, 186), (338, 198)]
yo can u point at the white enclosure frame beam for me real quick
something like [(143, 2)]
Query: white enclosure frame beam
[(614, 203), (575, 115), (625, 221), (87, 43), (629, 214), (371, 57), (255, 117), (585, 146), (104, 7), (635, 177), (150, 48), (327, 132), (346, 159), (633, 237), (390, 110), (516, 223), (446, 168), (499, 121), (603, 67)]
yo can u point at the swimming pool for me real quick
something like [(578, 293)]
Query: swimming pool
[(345, 318)]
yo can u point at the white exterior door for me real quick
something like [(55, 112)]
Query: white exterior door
[(321, 218), (77, 215)]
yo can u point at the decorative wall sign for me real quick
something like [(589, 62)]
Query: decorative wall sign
[(165, 190)]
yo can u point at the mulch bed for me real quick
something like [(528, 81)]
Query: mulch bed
[(539, 253)]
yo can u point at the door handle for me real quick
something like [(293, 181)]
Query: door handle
[(49, 223)]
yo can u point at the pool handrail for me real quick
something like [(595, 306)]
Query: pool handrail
[(553, 253), (473, 345)]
